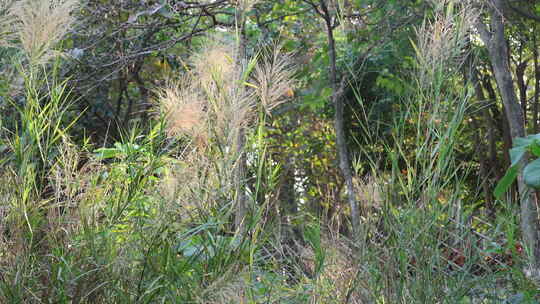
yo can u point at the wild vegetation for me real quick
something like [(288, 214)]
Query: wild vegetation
[(258, 151)]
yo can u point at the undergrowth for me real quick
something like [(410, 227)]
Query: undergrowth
[(151, 218)]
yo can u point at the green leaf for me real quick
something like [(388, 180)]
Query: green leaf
[(516, 154), (326, 93), (526, 141), (106, 153), (314, 101), (535, 148), (312, 234), (531, 174), (506, 181)]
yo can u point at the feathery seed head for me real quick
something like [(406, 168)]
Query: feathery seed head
[(7, 33), (40, 25), (214, 66), (442, 40), (215, 100), (217, 77), (184, 110), (274, 79)]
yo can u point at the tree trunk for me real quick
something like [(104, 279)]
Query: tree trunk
[(337, 100), (239, 179), (536, 87), (521, 66), (241, 208), (495, 41)]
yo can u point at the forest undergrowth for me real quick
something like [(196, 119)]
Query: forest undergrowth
[(154, 217)]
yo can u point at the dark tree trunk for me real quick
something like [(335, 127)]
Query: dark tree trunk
[(536, 87), (521, 66), (337, 100)]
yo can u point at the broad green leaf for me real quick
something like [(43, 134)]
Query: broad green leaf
[(522, 142), (526, 141), (535, 148), (531, 174), (506, 181), (516, 154), (534, 136)]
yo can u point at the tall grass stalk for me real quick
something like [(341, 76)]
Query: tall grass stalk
[(422, 220), (34, 148)]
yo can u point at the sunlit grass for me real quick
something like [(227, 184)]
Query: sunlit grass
[(150, 218)]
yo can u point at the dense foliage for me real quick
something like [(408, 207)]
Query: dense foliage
[(259, 151)]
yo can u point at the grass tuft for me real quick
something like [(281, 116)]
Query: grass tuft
[(40, 25)]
